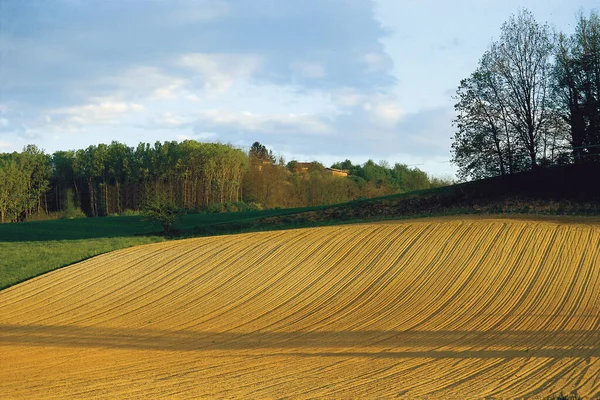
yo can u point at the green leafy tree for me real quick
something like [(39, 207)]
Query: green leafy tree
[(258, 153), (24, 182), (13, 189), (64, 179), (484, 144), (37, 167), (292, 166), (163, 210), (119, 160), (577, 86), (506, 121)]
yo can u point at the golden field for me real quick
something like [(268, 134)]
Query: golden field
[(434, 308)]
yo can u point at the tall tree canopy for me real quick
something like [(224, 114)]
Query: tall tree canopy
[(24, 181), (532, 101), (111, 178), (577, 85)]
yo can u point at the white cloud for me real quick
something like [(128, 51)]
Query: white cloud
[(99, 111), (386, 113), (274, 123), (165, 92), (167, 120), (179, 56), (5, 145), (379, 109), (309, 70), (219, 72), (144, 82)]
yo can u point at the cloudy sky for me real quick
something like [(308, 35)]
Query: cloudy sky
[(318, 79)]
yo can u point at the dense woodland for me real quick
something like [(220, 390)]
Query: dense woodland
[(114, 179), (533, 101)]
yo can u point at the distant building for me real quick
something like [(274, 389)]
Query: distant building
[(337, 172), (301, 167), (304, 167)]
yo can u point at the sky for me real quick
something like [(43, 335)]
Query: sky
[(323, 80)]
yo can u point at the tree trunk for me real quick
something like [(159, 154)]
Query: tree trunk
[(106, 202)]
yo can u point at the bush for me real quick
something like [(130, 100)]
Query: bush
[(73, 213), (70, 210), (130, 213), (234, 206), (50, 216), (162, 210)]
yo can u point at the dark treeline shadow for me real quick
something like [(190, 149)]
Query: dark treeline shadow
[(398, 344)]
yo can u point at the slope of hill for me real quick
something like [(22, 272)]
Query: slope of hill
[(570, 190), (437, 308)]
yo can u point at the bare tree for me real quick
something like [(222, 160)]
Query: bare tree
[(522, 59), (505, 119), (486, 143)]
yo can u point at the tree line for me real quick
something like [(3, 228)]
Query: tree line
[(533, 101), (107, 179)]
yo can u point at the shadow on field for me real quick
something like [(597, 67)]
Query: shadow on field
[(75, 229), (118, 226), (408, 344)]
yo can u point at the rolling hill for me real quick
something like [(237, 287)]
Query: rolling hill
[(457, 307)]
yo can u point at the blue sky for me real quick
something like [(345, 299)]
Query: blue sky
[(321, 79)]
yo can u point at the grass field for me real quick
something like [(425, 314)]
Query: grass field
[(33, 248), (462, 307)]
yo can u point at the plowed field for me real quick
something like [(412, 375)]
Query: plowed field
[(435, 308)]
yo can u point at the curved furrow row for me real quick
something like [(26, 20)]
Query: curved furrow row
[(78, 292), (305, 290)]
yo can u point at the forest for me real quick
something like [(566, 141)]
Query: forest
[(532, 102), (109, 179)]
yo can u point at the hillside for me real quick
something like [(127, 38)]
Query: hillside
[(569, 190), (433, 308)]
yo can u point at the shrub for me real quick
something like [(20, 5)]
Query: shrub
[(70, 209), (234, 206), (130, 213), (73, 213), (162, 210)]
